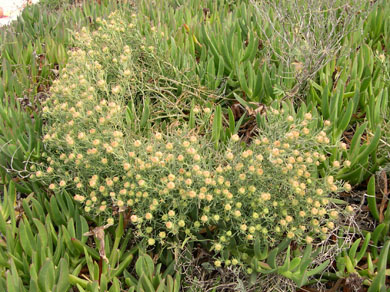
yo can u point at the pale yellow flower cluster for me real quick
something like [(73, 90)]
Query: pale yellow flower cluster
[(177, 183)]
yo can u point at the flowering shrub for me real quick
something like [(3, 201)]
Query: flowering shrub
[(103, 65), (175, 185)]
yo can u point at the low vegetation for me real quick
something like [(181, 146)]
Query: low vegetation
[(195, 146)]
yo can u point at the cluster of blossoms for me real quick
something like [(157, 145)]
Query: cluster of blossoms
[(175, 185)]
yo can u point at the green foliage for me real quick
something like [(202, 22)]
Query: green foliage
[(20, 139), (174, 185), (371, 198), (34, 47), (356, 96), (41, 253), (296, 269), (34, 255), (245, 46), (381, 214), (56, 4), (373, 272), (244, 50), (287, 69), (44, 247), (150, 278), (32, 51)]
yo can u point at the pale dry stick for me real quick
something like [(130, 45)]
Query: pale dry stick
[(12, 169)]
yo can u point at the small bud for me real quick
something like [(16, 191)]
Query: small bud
[(347, 163), (336, 164), (347, 187), (235, 138)]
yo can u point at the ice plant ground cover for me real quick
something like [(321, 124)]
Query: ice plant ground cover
[(182, 146)]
